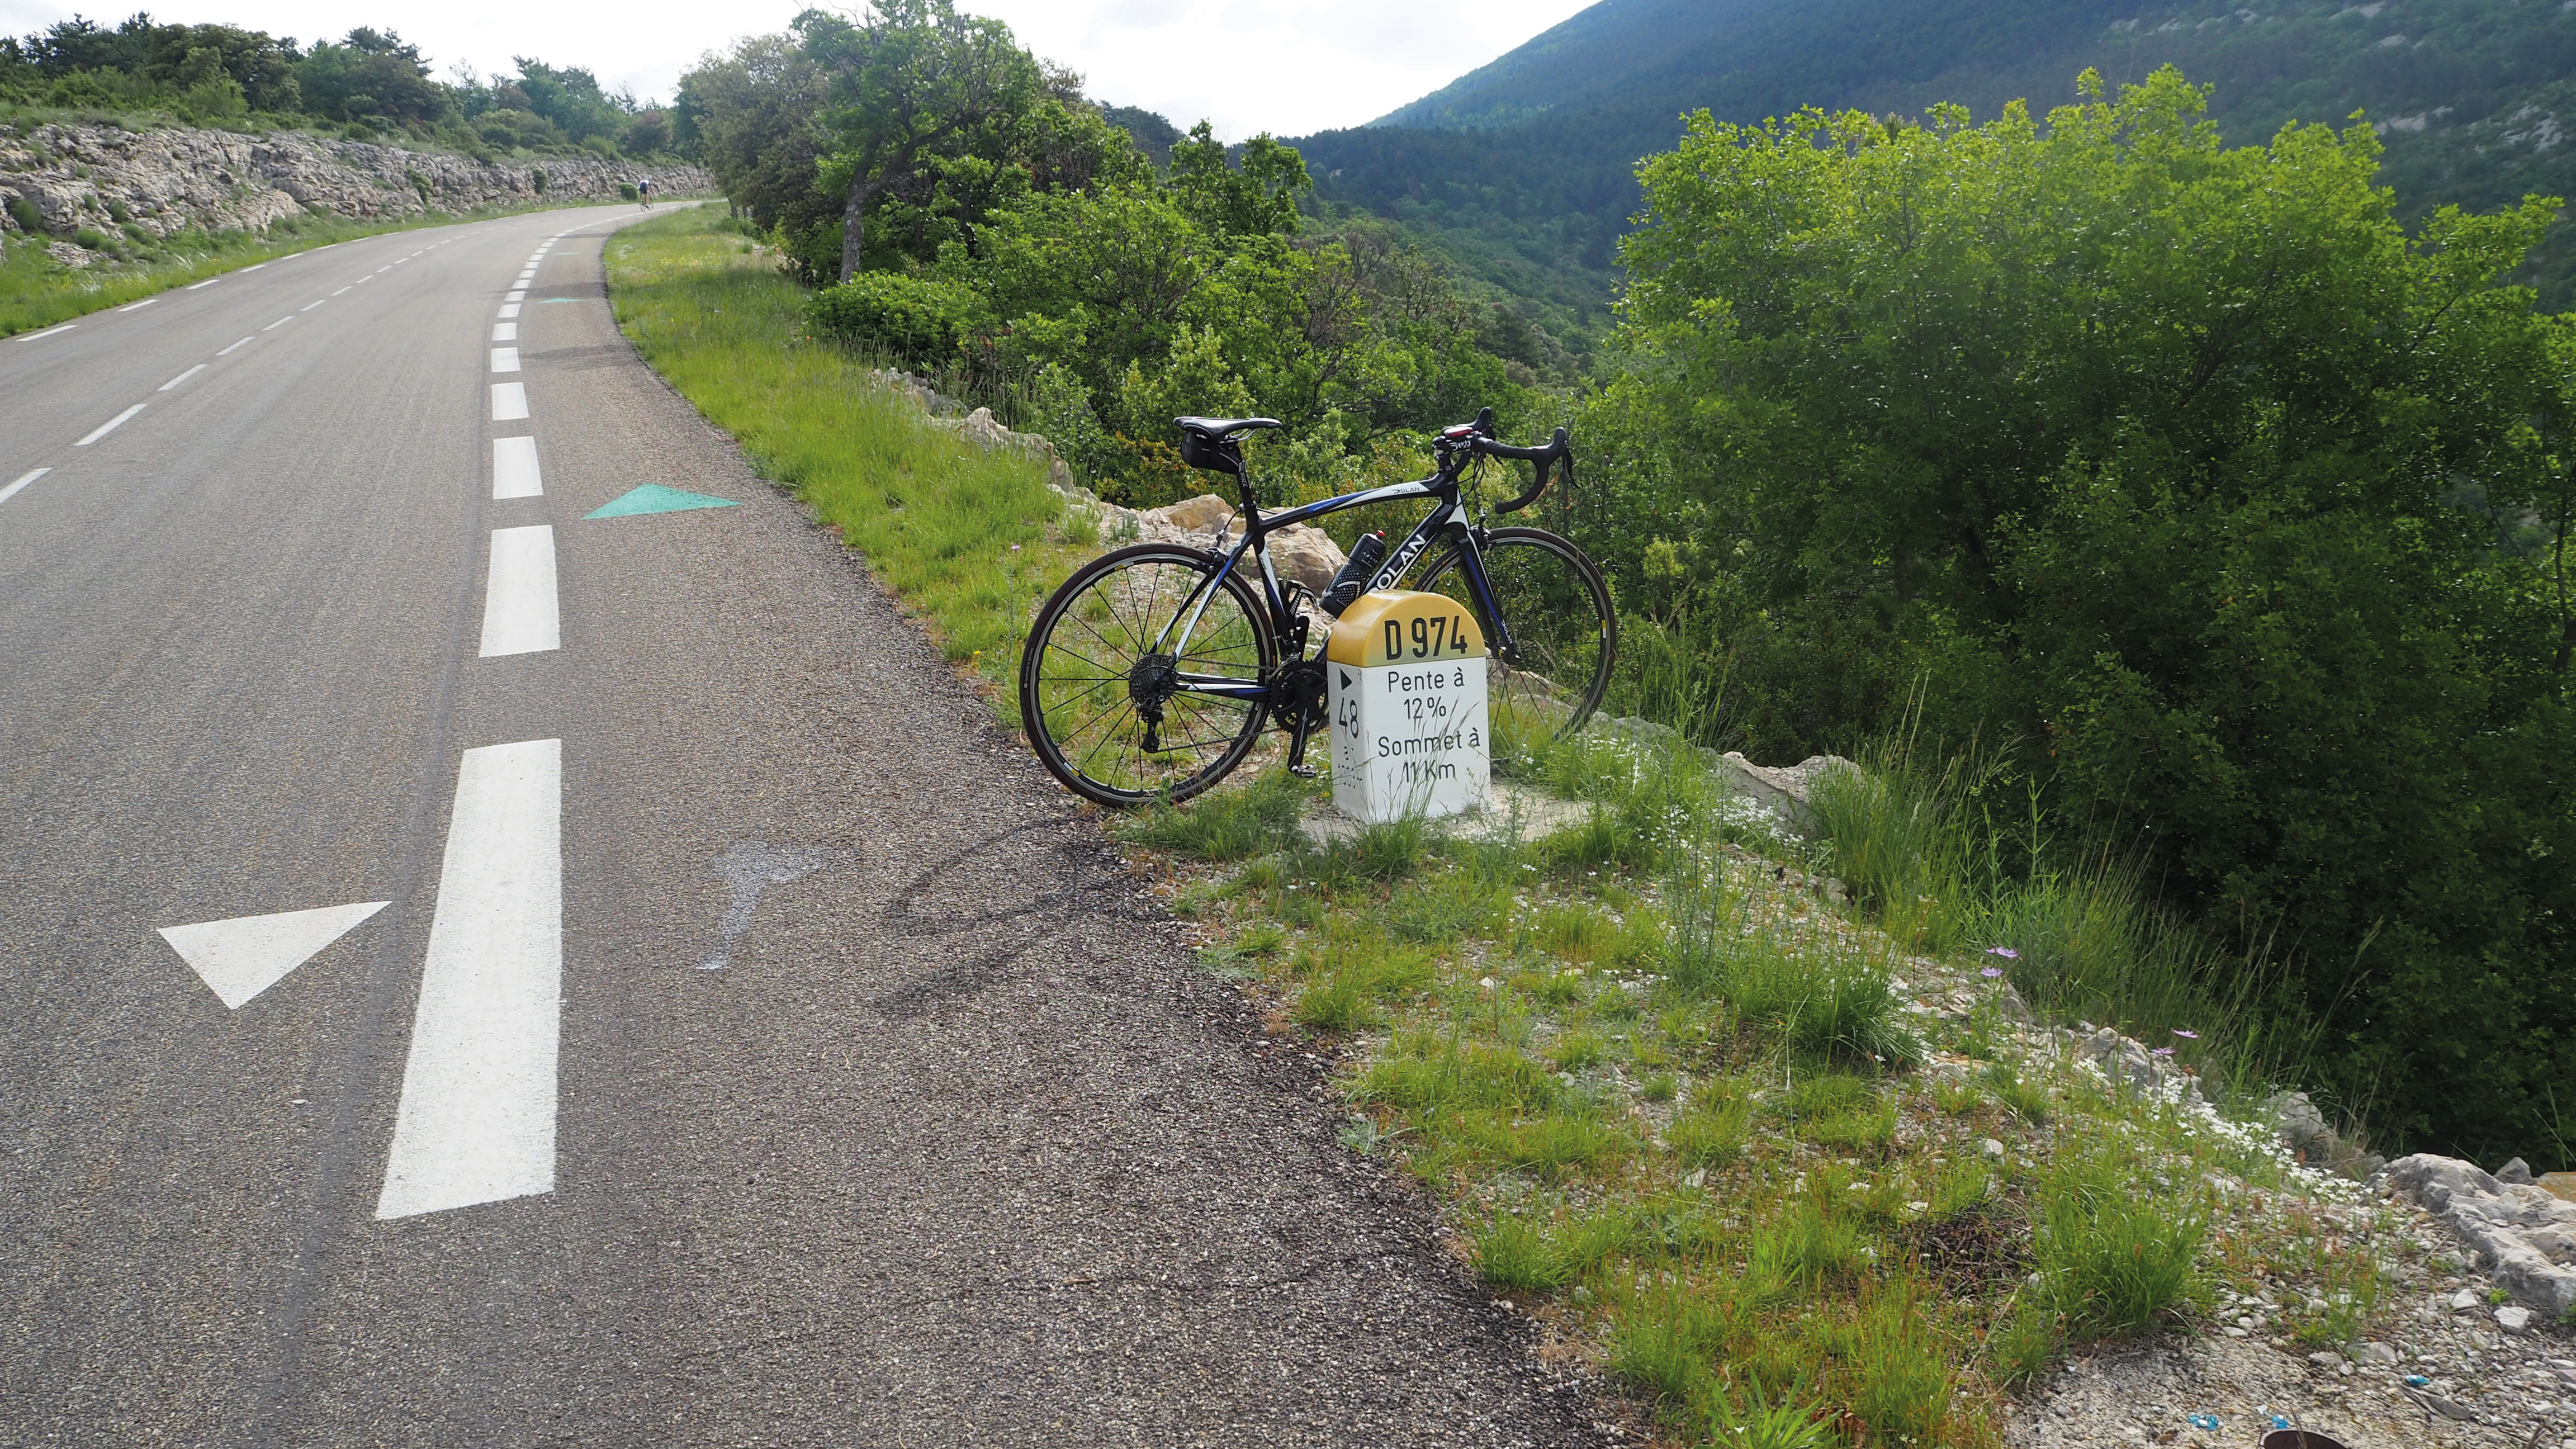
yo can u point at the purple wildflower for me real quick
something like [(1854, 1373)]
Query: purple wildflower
[(2188, 1035), (2164, 1051), (1991, 972), (2007, 952)]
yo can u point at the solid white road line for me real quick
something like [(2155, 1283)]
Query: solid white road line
[(509, 401), (505, 331), (111, 425), (477, 1120), (23, 480), (514, 469), (50, 332), (182, 377), (245, 342), (509, 309), (139, 306), (505, 359), (280, 322), (519, 614)]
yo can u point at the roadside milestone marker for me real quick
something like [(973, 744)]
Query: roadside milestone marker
[(1405, 677), (243, 957), (654, 498)]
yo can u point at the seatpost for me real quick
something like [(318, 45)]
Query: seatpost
[(1243, 481)]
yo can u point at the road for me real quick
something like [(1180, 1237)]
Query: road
[(495, 957)]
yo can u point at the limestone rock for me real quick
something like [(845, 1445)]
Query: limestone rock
[(1204, 514), (1307, 554), (2524, 1235), (2516, 1173), (69, 255), (2300, 1124), (174, 178), (1785, 788)]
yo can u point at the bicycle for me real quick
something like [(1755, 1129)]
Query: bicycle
[(1191, 664)]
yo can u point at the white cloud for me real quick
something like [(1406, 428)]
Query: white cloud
[(1247, 65)]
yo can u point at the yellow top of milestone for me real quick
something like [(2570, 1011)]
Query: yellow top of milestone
[(1393, 626)]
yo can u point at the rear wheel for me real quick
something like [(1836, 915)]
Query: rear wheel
[(1103, 681), (1564, 634)]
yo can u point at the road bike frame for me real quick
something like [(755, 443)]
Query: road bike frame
[(1449, 516)]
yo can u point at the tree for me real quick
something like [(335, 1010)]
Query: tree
[(913, 83), (371, 74), (2138, 451)]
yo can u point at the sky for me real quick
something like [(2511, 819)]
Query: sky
[(1289, 67)]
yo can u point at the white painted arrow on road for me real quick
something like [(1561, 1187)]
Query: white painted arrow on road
[(243, 957)]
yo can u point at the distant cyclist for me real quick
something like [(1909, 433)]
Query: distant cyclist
[(644, 189)]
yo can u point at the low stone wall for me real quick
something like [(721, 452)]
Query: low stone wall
[(170, 180)]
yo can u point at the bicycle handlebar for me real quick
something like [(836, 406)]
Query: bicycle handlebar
[(1479, 438)]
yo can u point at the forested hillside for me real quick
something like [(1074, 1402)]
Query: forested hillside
[(1526, 166), (368, 85)]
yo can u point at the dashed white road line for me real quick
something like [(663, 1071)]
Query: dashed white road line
[(201, 286), (505, 359), (245, 342), (139, 306), (254, 267), (517, 296), (111, 425), (477, 1119), (50, 332), (23, 480), (509, 309), (514, 469), (505, 331), (309, 306), (182, 377), (343, 289), (519, 612), (280, 322), (509, 401)]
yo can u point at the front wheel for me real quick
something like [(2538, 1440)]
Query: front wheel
[(1564, 634), (1123, 709)]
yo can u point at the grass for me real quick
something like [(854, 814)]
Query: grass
[(1670, 1096), (37, 292), (1933, 858), (962, 536)]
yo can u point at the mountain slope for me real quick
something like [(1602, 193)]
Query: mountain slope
[(1524, 167)]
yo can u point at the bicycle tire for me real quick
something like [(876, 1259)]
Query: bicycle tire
[(1075, 706), (1561, 621)]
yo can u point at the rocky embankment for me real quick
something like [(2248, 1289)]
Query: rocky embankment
[(67, 178)]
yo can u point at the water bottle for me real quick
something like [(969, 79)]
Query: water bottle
[(1353, 580)]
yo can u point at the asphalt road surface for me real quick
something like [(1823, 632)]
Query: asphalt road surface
[(480, 973)]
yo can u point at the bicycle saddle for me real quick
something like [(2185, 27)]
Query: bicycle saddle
[(1216, 429)]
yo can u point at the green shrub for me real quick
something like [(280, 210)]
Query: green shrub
[(2166, 504), (914, 321)]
